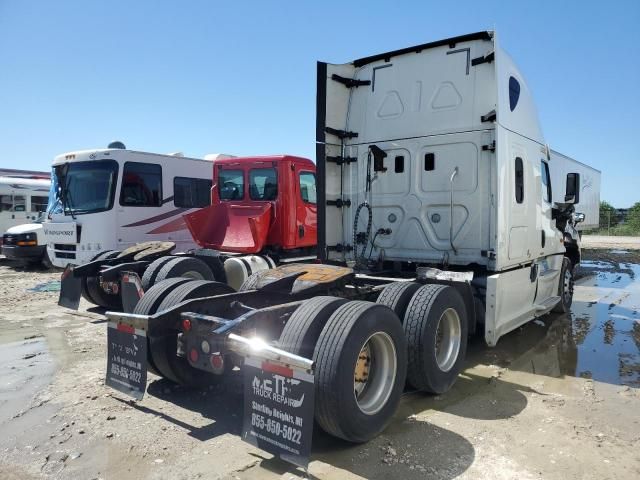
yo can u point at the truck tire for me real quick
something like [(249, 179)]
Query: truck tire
[(368, 336), (152, 298), (186, 267), (164, 349), (436, 327), (565, 287), (250, 283), (397, 296), (148, 305), (151, 272), (46, 261), (303, 328), (94, 290), (83, 281)]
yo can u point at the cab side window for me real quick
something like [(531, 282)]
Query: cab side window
[(263, 184), (141, 185), (39, 204), (191, 192), (308, 187), (231, 184), (12, 203), (546, 181), (519, 171)]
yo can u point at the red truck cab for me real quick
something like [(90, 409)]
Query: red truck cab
[(259, 204)]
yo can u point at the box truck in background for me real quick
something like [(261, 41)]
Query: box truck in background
[(588, 192)]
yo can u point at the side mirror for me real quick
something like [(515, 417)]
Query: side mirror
[(579, 217), (572, 194)]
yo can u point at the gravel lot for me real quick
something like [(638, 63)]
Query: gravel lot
[(558, 398)]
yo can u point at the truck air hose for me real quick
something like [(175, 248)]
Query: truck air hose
[(360, 258)]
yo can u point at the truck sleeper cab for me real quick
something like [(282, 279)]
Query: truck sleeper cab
[(435, 220)]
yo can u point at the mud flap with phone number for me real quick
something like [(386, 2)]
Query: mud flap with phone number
[(127, 359), (278, 409)]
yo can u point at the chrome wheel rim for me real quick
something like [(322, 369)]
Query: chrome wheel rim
[(448, 339), (374, 373)]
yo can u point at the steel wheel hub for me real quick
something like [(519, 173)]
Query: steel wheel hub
[(374, 373), (448, 339)]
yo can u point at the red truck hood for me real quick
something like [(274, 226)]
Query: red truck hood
[(231, 228)]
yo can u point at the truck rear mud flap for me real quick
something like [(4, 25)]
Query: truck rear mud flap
[(278, 385)]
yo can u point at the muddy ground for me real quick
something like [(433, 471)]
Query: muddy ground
[(558, 398)]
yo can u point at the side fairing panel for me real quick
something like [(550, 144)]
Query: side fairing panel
[(332, 105), (516, 107)]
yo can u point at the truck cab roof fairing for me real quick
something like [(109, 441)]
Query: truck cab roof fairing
[(523, 117)]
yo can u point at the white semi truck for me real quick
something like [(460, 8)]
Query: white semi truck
[(436, 220), (113, 198)]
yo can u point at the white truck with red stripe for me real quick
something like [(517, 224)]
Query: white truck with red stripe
[(113, 198)]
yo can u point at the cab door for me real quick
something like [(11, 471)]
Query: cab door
[(306, 206)]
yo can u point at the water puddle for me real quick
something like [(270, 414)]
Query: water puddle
[(605, 326), (599, 339), (52, 286)]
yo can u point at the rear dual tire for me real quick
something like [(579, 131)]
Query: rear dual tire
[(93, 292), (436, 328), (174, 267), (361, 364), (162, 353), (360, 354)]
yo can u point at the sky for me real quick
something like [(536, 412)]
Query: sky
[(239, 77)]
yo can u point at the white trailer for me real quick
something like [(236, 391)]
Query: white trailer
[(111, 199), (589, 187)]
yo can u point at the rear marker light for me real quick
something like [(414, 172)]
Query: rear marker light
[(217, 361), (186, 325), (193, 355)]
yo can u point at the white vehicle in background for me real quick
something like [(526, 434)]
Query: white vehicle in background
[(23, 201), (113, 198), (588, 194)]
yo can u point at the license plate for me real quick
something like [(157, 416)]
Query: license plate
[(127, 359)]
